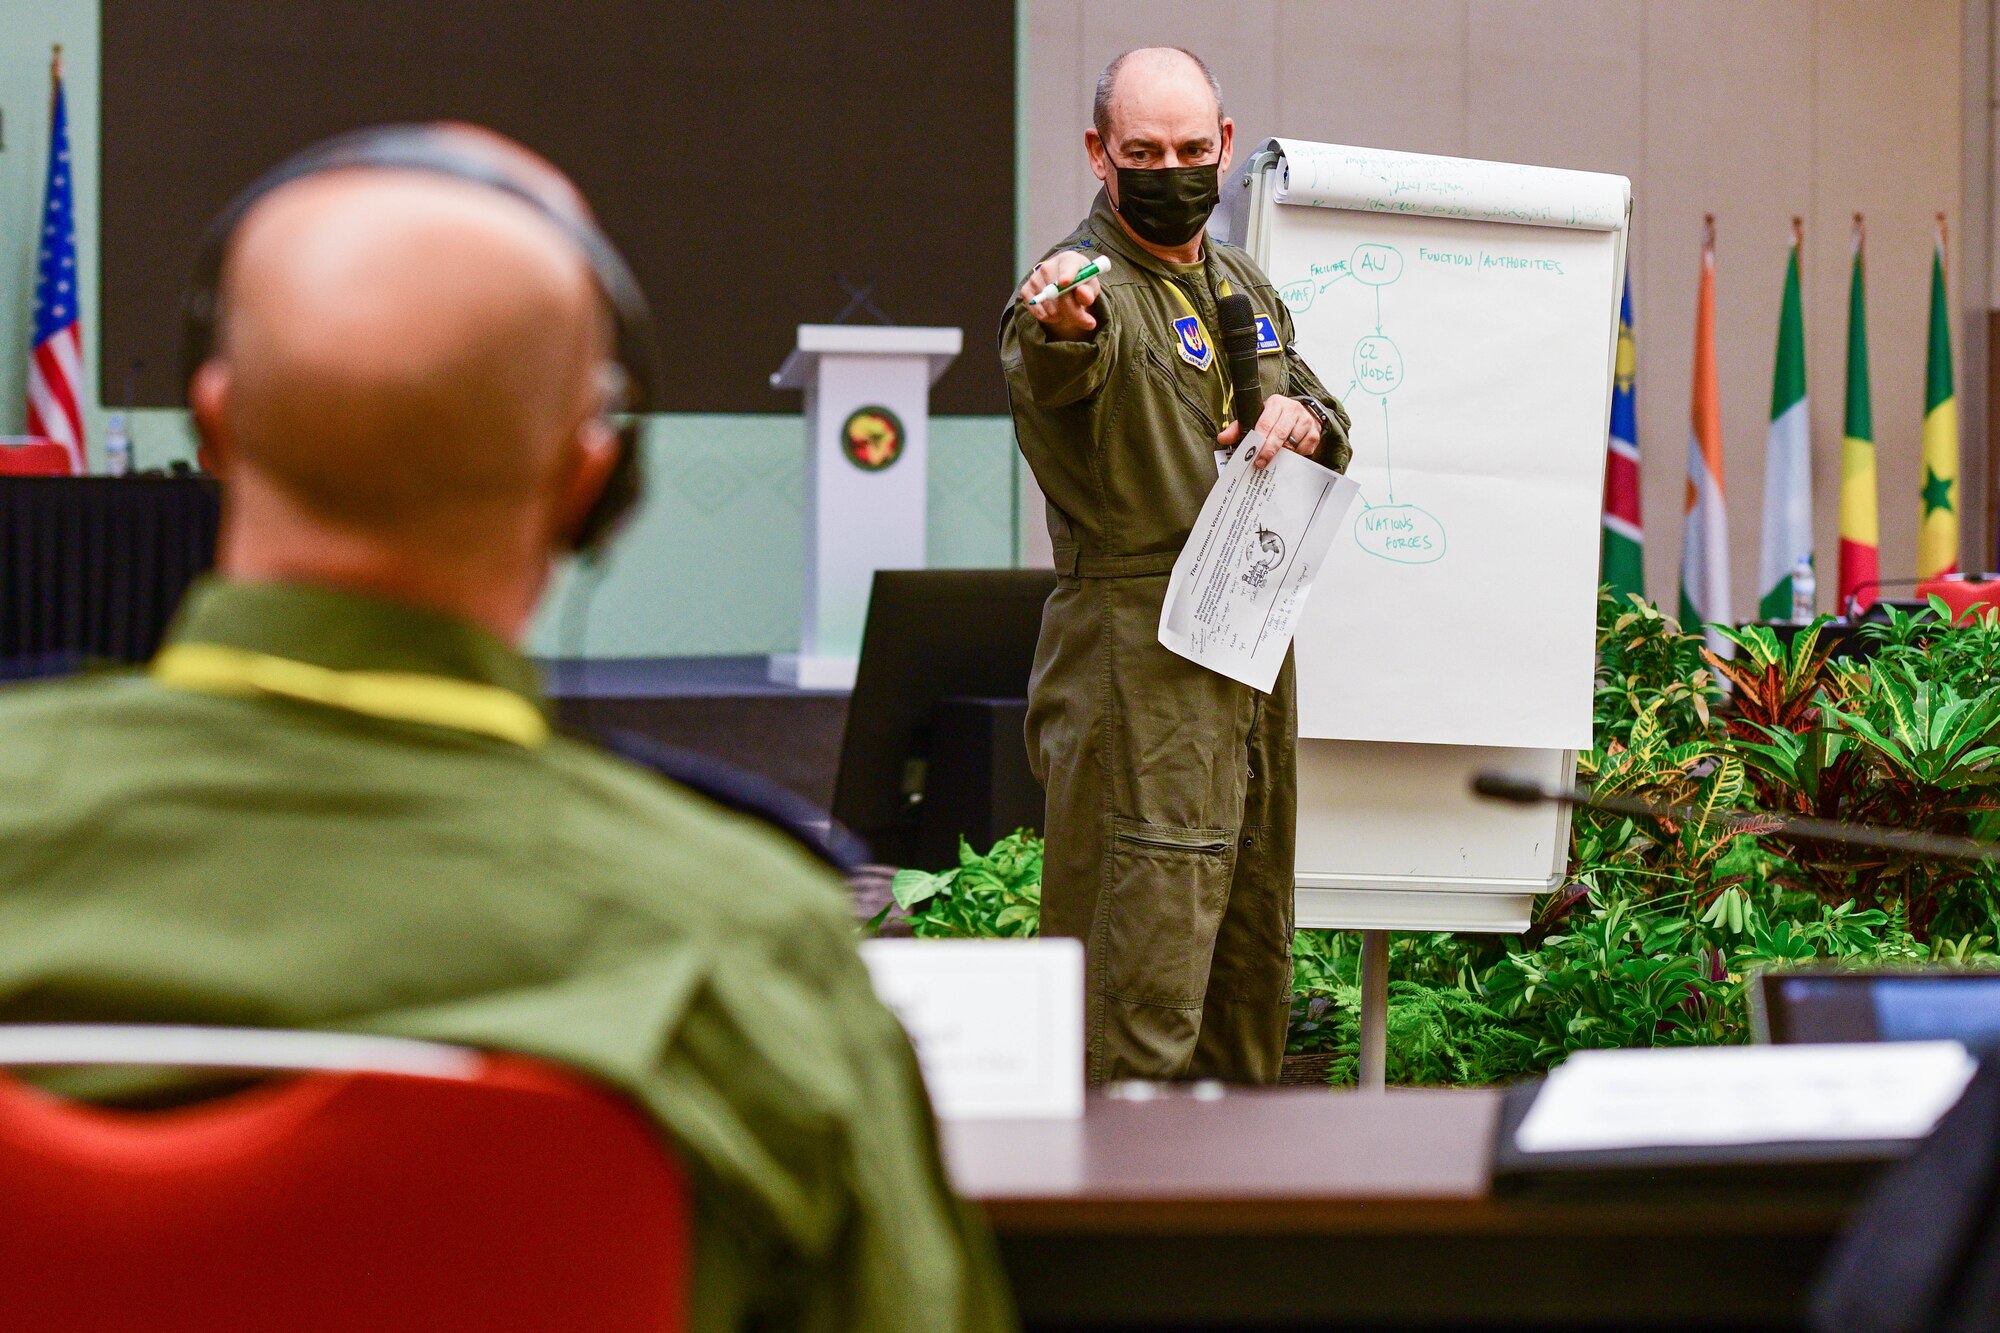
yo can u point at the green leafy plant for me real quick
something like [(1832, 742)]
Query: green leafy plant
[(1661, 922), (1647, 667), (995, 895)]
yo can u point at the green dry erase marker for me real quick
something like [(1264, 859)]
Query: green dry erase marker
[(1099, 264)]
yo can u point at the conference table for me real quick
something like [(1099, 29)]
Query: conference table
[(1303, 1208)]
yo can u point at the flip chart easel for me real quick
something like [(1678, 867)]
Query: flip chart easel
[(1470, 310)]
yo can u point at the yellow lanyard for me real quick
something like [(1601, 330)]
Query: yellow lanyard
[(400, 696), (1215, 349)]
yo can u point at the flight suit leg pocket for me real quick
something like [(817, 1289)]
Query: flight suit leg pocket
[(1167, 888)]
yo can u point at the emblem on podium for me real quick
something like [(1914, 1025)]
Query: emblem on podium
[(872, 438)]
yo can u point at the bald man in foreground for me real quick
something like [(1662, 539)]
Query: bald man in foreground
[(408, 399)]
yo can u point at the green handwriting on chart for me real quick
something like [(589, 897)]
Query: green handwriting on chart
[(1482, 259), (1402, 533), (1378, 365)]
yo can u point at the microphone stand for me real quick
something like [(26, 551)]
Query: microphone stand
[(1806, 828)]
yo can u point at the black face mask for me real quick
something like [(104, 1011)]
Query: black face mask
[(1168, 205)]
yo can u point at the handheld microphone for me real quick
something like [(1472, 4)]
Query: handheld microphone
[(1239, 350), (1520, 790)]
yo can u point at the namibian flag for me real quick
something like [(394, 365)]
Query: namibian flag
[(1788, 511), (1624, 565), (1937, 531), (1705, 535), (1859, 519)]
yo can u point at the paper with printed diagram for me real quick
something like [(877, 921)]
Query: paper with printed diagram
[(1241, 583)]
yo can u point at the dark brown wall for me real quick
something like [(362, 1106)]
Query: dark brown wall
[(742, 155)]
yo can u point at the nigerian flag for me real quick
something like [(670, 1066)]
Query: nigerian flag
[(1788, 512), (1860, 522), (1937, 531), (1623, 563)]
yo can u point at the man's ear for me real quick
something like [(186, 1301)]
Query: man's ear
[(1228, 143), (594, 453), (1100, 157), (208, 403)]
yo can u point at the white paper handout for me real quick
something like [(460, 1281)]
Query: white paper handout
[(1696, 1096), (1240, 585)]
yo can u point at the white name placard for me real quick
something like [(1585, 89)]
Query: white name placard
[(997, 1024), (1703, 1096)]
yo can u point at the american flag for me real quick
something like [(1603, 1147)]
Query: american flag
[(55, 372)]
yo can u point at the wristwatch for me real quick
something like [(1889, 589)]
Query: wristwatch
[(1319, 414)]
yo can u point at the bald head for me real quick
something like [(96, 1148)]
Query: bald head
[(407, 368), (1152, 75), (401, 346)]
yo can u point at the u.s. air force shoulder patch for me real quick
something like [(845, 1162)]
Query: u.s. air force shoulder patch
[(1193, 342)]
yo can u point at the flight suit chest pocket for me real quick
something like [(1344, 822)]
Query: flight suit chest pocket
[(1176, 381), (1166, 890)]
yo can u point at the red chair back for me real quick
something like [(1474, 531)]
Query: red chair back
[(33, 457), (516, 1198), (1962, 595)]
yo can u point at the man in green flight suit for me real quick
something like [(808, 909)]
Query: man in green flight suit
[(1172, 792), (335, 800)]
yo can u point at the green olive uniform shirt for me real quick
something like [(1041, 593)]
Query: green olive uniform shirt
[(173, 856)]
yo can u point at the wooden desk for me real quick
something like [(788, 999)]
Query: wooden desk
[(1297, 1207)]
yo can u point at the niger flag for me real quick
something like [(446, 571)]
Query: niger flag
[(1859, 521), (1705, 530), (1937, 531)]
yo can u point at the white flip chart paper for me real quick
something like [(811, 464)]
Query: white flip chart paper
[(1475, 360), (1376, 180), (1699, 1096), (1240, 586)]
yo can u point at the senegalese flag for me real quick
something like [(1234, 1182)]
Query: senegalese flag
[(1788, 511), (1623, 564), (1859, 520), (1937, 531), (1705, 536)]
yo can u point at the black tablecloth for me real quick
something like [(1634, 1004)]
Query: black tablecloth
[(94, 566)]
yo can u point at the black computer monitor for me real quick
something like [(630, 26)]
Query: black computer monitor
[(1822, 1006), (932, 635)]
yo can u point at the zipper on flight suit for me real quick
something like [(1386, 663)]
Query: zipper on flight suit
[(1173, 839), (1188, 400)]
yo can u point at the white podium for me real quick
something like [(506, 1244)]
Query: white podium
[(868, 391)]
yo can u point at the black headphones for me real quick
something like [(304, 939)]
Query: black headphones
[(432, 148)]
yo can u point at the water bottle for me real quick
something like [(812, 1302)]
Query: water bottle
[(117, 446), (1804, 591)]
